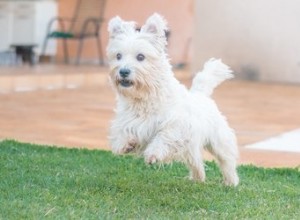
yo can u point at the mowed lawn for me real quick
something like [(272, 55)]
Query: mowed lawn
[(41, 182)]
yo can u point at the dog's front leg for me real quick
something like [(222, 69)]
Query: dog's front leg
[(122, 144), (158, 150)]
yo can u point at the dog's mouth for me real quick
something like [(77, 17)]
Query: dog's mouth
[(125, 83)]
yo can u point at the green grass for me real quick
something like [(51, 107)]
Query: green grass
[(39, 182)]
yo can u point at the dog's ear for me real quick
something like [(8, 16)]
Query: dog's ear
[(156, 25), (117, 26)]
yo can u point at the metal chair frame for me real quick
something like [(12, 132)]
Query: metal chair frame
[(81, 35)]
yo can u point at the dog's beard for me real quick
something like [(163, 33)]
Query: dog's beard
[(138, 87)]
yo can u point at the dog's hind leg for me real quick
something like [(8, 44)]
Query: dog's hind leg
[(196, 165), (224, 148)]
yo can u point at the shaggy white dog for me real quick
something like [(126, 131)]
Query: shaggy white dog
[(158, 117)]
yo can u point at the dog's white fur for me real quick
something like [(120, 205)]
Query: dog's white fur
[(158, 117)]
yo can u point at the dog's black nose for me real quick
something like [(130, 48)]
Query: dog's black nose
[(124, 72)]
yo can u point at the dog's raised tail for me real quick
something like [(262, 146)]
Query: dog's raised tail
[(213, 74)]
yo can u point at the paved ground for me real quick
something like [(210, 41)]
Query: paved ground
[(80, 117)]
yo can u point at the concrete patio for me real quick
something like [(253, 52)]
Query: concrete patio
[(72, 106)]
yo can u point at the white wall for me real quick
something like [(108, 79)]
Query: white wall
[(259, 39), (25, 22)]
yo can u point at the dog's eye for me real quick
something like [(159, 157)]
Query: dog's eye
[(119, 56), (140, 57)]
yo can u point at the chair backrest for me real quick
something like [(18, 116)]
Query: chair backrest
[(86, 9)]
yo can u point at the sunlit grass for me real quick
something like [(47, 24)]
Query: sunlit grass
[(38, 182)]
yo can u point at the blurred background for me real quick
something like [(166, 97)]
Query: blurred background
[(260, 40), (53, 68)]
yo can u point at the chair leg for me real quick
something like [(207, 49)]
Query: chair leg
[(45, 44), (100, 54), (66, 51), (79, 50)]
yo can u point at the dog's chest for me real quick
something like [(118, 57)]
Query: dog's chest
[(144, 127), (140, 124)]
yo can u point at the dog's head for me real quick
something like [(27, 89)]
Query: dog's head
[(137, 58)]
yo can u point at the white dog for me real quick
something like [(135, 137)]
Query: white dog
[(158, 117)]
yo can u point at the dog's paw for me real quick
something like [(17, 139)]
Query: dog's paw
[(156, 155), (234, 181), (152, 159), (197, 176), (129, 147), (126, 148)]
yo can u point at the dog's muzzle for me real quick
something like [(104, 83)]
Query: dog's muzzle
[(123, 80)]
